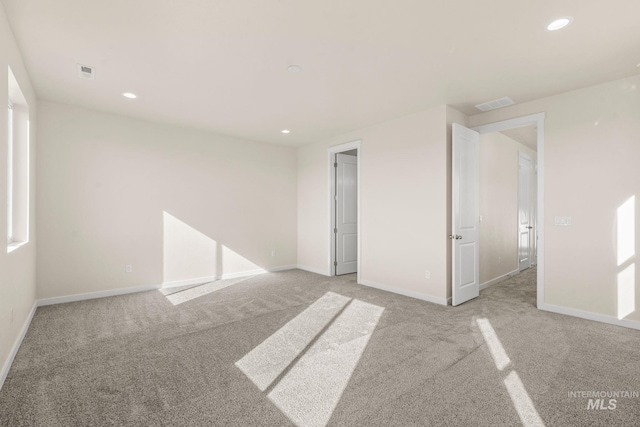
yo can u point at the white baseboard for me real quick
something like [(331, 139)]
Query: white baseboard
[(243, 274), (206, 279), (257, 271), (312, 270), (282, 268), (93, 295), (498, 279), (633, 324), (17, 344), (412, 294), (185, 282)]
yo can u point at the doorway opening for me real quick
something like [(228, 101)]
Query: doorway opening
[(466, 210), (507, 233), (344, 214), (526, 131)]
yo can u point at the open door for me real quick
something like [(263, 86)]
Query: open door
[(466, 206), (346, 231)]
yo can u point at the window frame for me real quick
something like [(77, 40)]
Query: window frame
[(10, 167)]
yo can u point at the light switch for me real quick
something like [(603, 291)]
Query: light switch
[(562, 221)]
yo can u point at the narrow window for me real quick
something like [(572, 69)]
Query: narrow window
[(10, 175), (17, 166)]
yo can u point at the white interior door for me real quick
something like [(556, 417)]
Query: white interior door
[(346, 229), (466, 210), (525, 226)]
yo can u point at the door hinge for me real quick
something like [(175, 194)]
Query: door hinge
[(335, 263), (335, 231), (335, 165)]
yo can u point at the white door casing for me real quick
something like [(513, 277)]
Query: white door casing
[(534, 213), (525, 226), (538, 120), (346, 214), (466, 210)]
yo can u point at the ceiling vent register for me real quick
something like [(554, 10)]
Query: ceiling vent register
[(495, 104), (86, 72)]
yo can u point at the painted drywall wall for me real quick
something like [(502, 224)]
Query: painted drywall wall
[(18, 268), (403, 190), (107, 184), (190, 254), (591, 156), (499, 204)]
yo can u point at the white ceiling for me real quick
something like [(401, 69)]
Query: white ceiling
[(220, 65)]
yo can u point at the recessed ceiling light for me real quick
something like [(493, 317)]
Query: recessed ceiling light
[(294, 68), (285, 131), (559, 23), (129, 95)]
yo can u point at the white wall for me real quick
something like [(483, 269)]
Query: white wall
[(499, 204), (403, 190), (591, 158), (107, 182), (18, 268), (189, 255)]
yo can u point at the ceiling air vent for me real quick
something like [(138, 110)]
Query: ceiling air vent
[(86, 72), (495, 104)]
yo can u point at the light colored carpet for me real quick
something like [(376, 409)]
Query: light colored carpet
[(298, 348)]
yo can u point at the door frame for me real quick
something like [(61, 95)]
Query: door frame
[(331, 152), (535, 219), (538, 120)]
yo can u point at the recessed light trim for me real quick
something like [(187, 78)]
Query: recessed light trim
[(130, 95), (559, 23), (294, 69), (285, 131)]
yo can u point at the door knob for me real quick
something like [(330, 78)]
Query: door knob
[(458, 237), (529, 227)]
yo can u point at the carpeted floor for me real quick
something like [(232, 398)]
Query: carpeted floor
[(294, 347)]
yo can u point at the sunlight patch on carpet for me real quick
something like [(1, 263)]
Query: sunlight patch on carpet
[(198, 291), (521, 400), (269, 359), (495, 346), (312, 389), (320, 370)]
